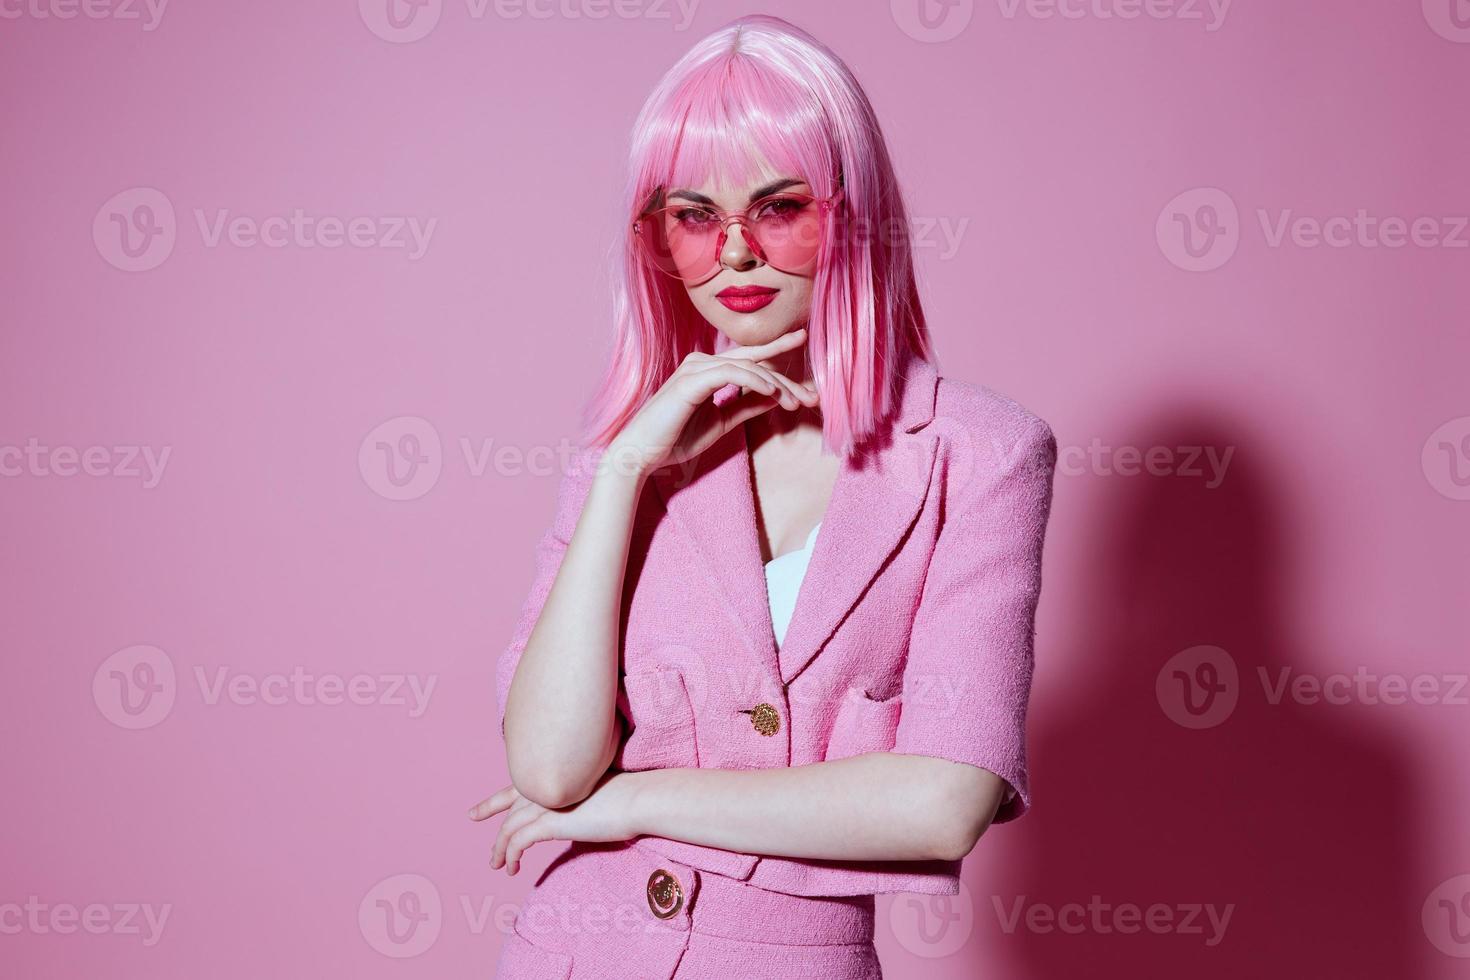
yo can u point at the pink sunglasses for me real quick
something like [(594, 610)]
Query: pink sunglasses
[(685, 240)]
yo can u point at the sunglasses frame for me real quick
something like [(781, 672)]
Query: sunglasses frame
[(745, 216)]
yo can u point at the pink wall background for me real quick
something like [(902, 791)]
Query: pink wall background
[(1045, 157)]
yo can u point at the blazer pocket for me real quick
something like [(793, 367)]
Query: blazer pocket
[(864, 724), (522, 960), (661, 721)]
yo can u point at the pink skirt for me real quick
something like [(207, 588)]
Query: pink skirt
[(617, 912)]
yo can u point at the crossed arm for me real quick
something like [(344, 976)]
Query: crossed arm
[(561, 731), (561, 726), (926, 809)]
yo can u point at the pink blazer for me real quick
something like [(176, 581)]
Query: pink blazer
[(912, 631)]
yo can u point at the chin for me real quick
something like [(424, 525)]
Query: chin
[(745, 329)]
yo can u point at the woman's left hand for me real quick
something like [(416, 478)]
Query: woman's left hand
[(605, 815)]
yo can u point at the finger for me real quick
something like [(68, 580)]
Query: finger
[(490, 807), (777, 385), (761, 352), (514, 822), (799, 392), (534, 832), (693, 360), (744, 407), (699, 385)]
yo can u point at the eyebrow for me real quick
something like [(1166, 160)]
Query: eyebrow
[(755, 195)]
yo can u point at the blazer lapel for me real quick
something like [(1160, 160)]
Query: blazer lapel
[(713, 503), (878, 495)]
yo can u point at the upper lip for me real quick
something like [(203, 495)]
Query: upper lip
[(746, 290)]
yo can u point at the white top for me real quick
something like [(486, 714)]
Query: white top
[(783, 582)]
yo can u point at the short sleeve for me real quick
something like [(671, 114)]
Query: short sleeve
[(570, 496), (967, 679)]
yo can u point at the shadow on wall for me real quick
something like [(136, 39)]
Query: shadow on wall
[(1295, 820)]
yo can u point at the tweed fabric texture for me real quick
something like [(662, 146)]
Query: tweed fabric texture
[(913, 630)]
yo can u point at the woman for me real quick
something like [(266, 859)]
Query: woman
[(772, 448)]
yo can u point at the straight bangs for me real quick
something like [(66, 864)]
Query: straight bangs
[(742, 124), (757, 100)]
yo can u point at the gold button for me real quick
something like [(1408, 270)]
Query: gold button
[(665, 897), (764, 718)]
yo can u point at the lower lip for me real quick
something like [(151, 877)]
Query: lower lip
[(749, 303)]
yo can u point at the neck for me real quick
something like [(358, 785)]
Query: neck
[(793, 364), (779, 425)]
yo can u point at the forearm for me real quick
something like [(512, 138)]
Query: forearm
[(876, 807), (561, 716)]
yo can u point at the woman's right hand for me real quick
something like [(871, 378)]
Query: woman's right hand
[(681, 421)]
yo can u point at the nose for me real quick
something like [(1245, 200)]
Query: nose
[(736, 254)]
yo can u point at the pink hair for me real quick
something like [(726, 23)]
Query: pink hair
[(759, 92)]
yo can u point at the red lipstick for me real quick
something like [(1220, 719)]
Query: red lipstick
[(747, 299)]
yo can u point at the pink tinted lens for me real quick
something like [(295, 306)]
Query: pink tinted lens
[(784, 232), (788, 231), (682, 242)]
